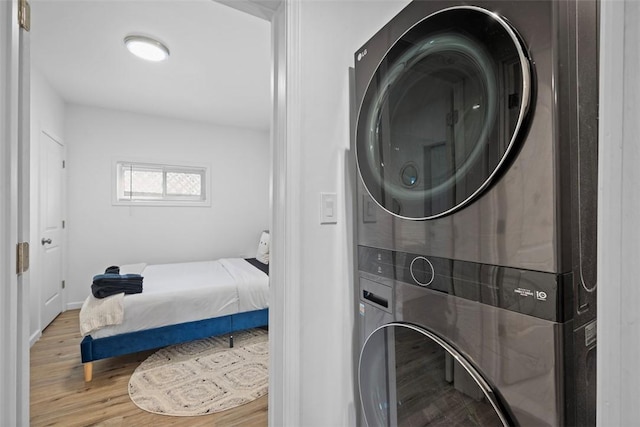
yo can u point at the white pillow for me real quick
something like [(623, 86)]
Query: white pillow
[(263, 248)]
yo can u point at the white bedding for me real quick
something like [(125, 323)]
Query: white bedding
[(186, 292)]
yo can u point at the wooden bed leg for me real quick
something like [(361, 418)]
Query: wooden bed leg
[(88, 371)]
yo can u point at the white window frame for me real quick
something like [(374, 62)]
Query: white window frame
[(165, 167)]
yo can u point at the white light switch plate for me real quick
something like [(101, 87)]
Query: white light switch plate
[(328, 208)]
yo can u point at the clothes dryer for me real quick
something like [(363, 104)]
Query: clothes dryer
[(476, 146), (476, 133)]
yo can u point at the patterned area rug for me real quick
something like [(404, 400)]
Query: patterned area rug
[(203, 377)]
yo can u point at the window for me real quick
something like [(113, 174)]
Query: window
[(160, 184)]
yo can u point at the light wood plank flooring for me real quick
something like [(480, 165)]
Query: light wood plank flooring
[(59, 395)]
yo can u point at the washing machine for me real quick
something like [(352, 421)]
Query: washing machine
[(476, 148)]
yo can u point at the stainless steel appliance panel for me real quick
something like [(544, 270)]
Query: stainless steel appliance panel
[(520, 356)]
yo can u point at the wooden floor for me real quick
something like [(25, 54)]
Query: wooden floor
[(59, 395)]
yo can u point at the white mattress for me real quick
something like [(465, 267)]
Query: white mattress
[(186, 292)]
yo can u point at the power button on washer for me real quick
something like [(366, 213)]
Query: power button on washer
[(422, 271)]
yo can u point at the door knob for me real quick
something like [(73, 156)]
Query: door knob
[(45, 241)]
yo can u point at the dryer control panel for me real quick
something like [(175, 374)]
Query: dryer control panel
[(535, 293)]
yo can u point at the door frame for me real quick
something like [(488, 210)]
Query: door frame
[(286, 243), (14, 216)]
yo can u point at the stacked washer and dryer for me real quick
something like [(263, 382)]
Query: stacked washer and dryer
[(476, 144)]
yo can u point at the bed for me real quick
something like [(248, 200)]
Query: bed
[(180, 302)]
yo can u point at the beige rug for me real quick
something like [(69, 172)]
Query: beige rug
[(203, 377)]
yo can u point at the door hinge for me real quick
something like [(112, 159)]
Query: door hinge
[(22, 257), (63, 223), (63, 164), (24, 14), (63, 284)]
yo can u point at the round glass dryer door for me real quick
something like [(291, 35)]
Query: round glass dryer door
[(410, 377), (442, 113)]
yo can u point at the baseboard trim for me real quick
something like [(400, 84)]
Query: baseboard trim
[(35, 337), (74, 305)]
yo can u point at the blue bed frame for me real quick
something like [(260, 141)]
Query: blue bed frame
[(101, 348)]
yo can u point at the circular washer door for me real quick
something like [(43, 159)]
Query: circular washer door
[(442, 113), (410, 377)]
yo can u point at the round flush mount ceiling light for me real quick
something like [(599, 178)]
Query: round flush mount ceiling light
[(146, 48)]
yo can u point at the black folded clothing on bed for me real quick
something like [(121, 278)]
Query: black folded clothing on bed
[(108, 284), (114, 269)]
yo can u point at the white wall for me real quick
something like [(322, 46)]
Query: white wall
[(100, 234), (47, 115), (619, 204), (330, 34)]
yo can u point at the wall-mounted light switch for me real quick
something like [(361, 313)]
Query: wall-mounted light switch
[(328, 208)]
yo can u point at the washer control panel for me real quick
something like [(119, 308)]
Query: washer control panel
[(536, 293), (422, 271)]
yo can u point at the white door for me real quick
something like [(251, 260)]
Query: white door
[(51, 236)]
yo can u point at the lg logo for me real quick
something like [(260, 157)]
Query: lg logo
[(362, 54)]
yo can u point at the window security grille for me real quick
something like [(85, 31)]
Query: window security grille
[(138, 183)]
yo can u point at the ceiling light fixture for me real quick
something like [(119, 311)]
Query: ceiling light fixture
[(146, 48)]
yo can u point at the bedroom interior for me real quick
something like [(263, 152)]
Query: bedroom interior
[(106, 106)]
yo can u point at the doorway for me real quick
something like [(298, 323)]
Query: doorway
[(87, 65), (132, 102)]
